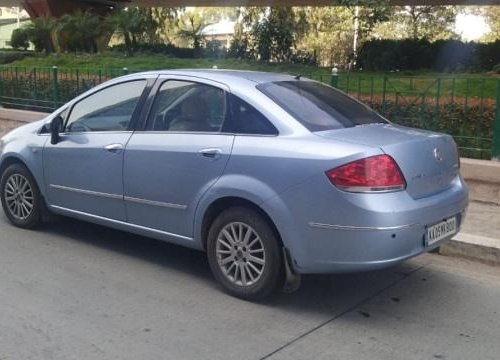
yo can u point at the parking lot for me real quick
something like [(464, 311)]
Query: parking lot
[(80, 291)]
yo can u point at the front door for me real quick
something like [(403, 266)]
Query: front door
[(84, 171), (178, 158)]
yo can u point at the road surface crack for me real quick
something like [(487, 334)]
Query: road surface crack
[(348, 310)]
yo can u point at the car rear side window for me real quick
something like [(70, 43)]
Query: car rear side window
[(245, 119), (319, 107)]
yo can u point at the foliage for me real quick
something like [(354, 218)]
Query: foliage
[(492, 15), (443, 55), (9, 56), (139, 26), (40, 33), (79, 31), (268, 34), (190, 25), (20, 39), (419, 22)]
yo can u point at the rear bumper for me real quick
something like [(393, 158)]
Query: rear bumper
[(365, 231), (369, 249)]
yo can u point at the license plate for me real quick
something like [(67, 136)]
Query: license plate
[(441, 230)]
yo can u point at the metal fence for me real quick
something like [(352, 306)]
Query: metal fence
[(465, 107)]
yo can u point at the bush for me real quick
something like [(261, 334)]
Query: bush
[(11, 56), (20, 39), (442, 55)]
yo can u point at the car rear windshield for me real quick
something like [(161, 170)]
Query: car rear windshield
[(319, 107)]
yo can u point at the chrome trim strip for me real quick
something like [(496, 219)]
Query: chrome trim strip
[(156, 203), (361, 228), (122, 223), (87, 192)]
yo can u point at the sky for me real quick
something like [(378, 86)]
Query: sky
[(470, 26)]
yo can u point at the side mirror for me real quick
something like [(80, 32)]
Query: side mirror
[(56, 126)]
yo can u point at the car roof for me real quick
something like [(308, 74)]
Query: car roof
[(229, 77)]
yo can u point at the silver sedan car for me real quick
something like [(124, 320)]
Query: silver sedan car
[(273, 176)]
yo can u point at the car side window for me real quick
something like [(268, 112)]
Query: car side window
[(110, 109), (245, 119), (183, 106)]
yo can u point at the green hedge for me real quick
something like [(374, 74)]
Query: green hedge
[(443, 55), (8, 56)]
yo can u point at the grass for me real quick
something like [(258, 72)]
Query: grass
[(157, 62), (466, 86)]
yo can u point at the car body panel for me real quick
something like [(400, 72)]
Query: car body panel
[(80, 174), (165, 175)]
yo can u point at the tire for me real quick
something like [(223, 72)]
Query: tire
[(241, 241), (21, 199)]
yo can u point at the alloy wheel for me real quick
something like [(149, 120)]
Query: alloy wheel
[(240, 254), (19, 196)]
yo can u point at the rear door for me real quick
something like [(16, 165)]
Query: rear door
[(178, 156)]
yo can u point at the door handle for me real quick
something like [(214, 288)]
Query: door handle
[(114, 148), (211, 153)]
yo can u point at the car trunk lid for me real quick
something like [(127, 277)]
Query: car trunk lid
[(428, 160)]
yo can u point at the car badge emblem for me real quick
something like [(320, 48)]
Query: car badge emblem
[(437, 154)]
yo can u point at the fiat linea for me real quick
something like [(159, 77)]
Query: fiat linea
[(272, 175)]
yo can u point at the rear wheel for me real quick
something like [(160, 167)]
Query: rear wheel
[(21, 199), (244, 253)]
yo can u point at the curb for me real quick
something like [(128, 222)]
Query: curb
[(474, 247)]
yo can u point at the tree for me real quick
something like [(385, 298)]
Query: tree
[(331, 30), (419, 22), (20, 39), (214, 15), (40, 32), (330, 34), (268, 33), (130, 23), (190, 25), (492, 16), (79, 31)]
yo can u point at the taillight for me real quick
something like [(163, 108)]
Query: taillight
[(372, 174)]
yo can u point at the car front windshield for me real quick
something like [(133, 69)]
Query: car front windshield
[(319, 107)]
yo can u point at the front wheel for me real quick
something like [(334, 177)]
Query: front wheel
[(244, 253), (21, 199)]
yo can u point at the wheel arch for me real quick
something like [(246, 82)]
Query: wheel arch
[(9, 160), (226, 202)]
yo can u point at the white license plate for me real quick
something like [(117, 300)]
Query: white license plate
[(441, 230)]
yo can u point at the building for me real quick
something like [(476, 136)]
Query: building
[(10, 18), (221, 33)]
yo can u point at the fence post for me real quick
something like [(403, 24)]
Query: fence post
[(495, 151), (1, 88), (334, 81), (125, 71), (55, 87), (384, 90), (438, 98)]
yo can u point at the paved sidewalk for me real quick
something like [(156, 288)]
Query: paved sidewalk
[(479, 238), (482, 219), (9, 119)]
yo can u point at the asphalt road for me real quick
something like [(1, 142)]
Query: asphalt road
[(79, 291)]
